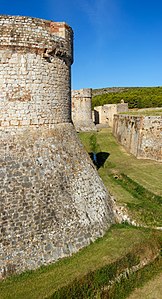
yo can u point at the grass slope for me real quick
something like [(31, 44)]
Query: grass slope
[(152, 289), (42, 283), (145, 208)]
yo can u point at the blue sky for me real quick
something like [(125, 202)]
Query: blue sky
[(116, 42)]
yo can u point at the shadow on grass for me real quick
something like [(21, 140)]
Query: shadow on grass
[(99, 158)]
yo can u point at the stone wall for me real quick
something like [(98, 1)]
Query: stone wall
[(33, 58), (140, 135), (82, 110), (52, 200), (105, 114)]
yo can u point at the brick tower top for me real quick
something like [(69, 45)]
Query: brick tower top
[(35, 72), (20, 31)]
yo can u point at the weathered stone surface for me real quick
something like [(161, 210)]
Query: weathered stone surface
[(82, 110), (140, 135), (104, 115), (52, 201)]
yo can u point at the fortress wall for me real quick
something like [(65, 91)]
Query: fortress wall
[(151, 138), (122, 107), (109, 111), (105, 114), (98, 115), (140, 135), (82, 109), (34, 89), (52, 200)]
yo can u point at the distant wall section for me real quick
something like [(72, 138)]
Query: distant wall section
[(82, 109), (140, 135), (105, 114)]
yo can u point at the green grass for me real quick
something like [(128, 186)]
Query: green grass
[(136, 97), (152, 289), (146, 206), (117, 242), (124, 288), (95, 284), (141, 173)]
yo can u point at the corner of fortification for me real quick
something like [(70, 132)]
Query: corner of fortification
[(53, 201)]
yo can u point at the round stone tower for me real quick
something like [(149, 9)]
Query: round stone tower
[(82, 110), (52, 200)]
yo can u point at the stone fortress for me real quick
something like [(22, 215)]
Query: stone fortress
[(52, 200), (140, 135), (82, 110), (105, 114), (84, 119)]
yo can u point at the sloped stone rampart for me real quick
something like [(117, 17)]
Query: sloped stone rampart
[(140, 135), (52, 200)]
